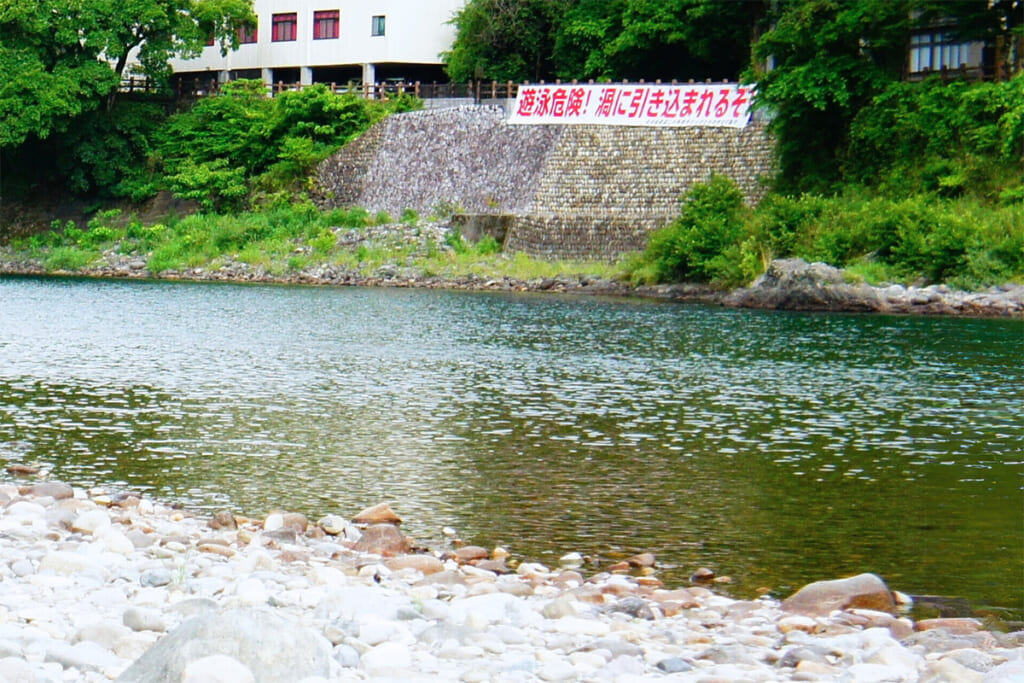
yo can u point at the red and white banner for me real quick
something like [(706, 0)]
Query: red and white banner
[(634, 104)]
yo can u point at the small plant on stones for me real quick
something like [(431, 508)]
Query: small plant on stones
[(410, 216)]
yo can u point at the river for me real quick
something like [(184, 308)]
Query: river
[(776, 448)]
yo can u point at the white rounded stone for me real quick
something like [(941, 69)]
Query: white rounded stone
[(217, 669)]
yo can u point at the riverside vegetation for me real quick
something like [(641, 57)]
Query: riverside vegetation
[(952, 214), (894, 181)]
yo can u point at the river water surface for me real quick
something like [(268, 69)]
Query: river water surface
[(777, 448)]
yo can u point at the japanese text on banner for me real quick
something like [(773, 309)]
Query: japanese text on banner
[(634, 104)]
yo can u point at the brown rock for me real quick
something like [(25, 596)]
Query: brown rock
[(427, 564), (382, 539), (496, 566), (619, 567), (650, 581), (618, 589), (25, 470), (865, 591), (215, 549), (223, 520), (289, 556), (956, 625), (681, 596), (378, 514), (470, 552), (54, 489), (214, 540), (641, 560), (702, 575), (296, 520)]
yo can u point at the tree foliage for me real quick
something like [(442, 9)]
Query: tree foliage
[(946, 138), (226, 146), (60, 58), (542, 39), (652, 39), (829, 58), (504, 40)]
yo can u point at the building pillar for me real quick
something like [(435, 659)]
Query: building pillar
[(369, 74), (306, 75), (267, 75)]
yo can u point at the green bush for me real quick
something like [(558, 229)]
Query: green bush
[(488, 245), (702, 245), (410, 216), (242, 140), (68, 258), (215, 184), (952, 139), (455, 240), (324, 242)]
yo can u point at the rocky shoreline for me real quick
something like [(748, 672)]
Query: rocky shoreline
[(99, 586), (787, 284)]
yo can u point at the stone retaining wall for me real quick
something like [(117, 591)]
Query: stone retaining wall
[(577, 192)]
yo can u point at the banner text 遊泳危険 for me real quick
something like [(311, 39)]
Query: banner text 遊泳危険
[(643, 104)]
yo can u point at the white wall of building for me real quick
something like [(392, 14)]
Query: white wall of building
[(417, 31)]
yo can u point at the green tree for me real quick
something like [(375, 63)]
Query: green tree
[(652, 39), (226, 146), (162, 29), (504, 40), (60, 58), (829, 59)]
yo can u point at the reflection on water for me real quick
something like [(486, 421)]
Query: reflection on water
[(778, 448)]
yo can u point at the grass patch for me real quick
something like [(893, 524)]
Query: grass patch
[(69, 258)]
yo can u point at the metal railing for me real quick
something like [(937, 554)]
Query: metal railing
[(476, 90)]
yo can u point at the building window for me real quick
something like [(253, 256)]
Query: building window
[(284, 27), (377, 26), (325, 24), (933, 51), (246, 34)]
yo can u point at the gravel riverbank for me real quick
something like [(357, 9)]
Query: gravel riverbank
[(101, 587)]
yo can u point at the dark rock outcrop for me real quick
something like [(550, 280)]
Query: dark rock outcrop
[(795, 285)]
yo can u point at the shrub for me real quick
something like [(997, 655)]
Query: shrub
[(216, 185), (454, 240), (694, 247), (953, 139), (324, 242), (68, 258), (410, 216), (488, 245)]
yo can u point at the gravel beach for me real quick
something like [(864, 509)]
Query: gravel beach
[(96, 586)]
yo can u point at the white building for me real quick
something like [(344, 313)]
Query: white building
[(334, 41)]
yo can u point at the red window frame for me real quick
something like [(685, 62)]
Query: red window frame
[(326, 24), (284, 27), (247, 34)]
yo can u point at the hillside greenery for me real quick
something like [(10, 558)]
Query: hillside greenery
[(894, 180)]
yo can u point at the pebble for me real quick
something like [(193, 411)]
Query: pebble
[(90, 606)]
